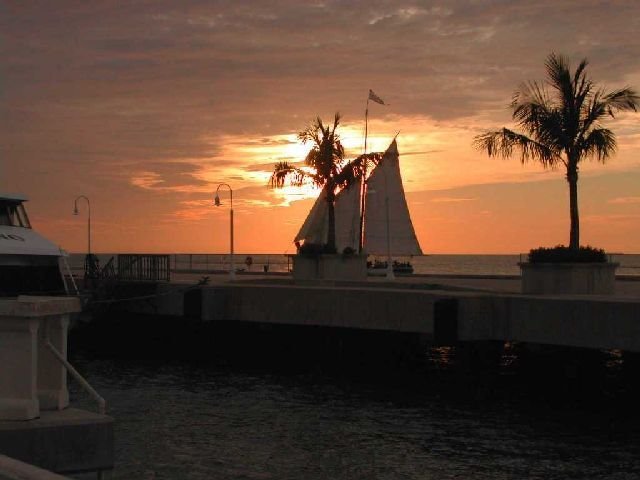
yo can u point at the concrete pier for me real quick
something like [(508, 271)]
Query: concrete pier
[(35, 424), (444, 310), (31, 379)]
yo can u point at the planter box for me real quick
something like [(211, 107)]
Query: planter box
[(329, 267), (569, 278)]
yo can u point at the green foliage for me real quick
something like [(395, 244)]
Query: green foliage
[(562, 254), (309, 249), (328, 249), (348, 251)]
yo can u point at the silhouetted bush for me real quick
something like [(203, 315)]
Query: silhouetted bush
[(348, 251), (327, 249), (314, 249), (562, 254)]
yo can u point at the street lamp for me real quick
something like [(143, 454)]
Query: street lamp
[(75, 212), (216, 201)]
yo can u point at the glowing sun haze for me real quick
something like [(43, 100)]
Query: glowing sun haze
[(145, 107)]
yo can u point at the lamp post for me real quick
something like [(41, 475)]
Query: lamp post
[(216, 201), (75, 212)]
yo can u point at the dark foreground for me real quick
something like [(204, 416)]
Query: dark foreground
[(282, 403)]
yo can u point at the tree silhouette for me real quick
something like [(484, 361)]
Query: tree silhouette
[(326, 167), (561, 126)]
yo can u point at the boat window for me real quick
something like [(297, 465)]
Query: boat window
[(4, 215), (22, 216), (14, 215)]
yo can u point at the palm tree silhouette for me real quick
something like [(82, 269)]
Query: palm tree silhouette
[(326, 168), (561, 127)]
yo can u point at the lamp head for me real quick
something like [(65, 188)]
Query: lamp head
[(75, 210), (216, 200)]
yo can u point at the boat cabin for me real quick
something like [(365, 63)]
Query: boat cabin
[(29, 263)]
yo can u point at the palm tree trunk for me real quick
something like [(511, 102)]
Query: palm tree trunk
[(572, 178)]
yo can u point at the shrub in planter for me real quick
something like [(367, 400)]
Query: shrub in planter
[(309, 249), (562, 270), (562, 254)]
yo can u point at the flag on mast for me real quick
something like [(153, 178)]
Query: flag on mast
[(375, 98)]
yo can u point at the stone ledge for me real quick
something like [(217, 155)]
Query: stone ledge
[(12, 469), (32, 306), (70, 440)]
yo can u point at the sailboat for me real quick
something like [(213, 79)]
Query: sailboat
[(388, 230)]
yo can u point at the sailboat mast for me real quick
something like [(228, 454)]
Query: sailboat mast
[(363, 182)]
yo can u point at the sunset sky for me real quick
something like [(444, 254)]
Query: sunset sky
[(145, 106)]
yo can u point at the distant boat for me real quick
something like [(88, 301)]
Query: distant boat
[(386, 230)]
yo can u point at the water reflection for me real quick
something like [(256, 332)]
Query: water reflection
[(482, 412)]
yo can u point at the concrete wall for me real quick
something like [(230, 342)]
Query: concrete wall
[(445, 316), (576, 321), (375, 309), (569, 278), (329, 267)]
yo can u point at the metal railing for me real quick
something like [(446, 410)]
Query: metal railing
[(204, 262), (144, 267)]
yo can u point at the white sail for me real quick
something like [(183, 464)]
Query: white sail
[(385, 183), (316, 227), (347, 208)]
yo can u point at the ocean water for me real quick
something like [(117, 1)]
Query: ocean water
[(255, 406), (567, 416), (429, 264)]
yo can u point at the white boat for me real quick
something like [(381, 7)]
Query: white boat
[(29, 263), (388, 230)]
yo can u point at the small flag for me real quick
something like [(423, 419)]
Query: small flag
[(375, 98)]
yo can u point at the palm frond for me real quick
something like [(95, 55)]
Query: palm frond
[(582, 86), (559, 76), (625, 99), (354, 170), (284, 173), (502, 143), (530, 92), (602, 104), (600, 142), (531, 106)]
